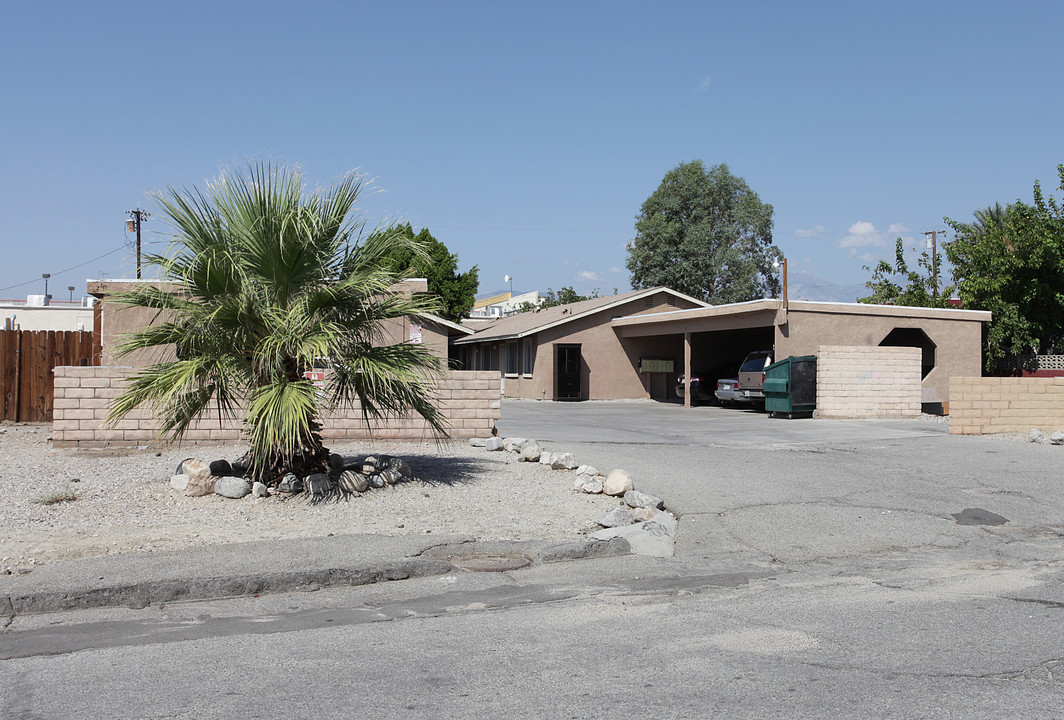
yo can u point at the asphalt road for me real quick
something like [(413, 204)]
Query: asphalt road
[(824, 576)]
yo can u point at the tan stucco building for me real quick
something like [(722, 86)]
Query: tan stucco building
[(636, 344)]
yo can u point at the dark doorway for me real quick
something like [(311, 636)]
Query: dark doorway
[(567, 365), (913, 337)]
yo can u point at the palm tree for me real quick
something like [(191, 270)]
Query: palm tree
[(272, 281)]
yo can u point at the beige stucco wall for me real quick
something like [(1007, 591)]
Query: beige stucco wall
[(980, 405), (469, 400), (957, 339)]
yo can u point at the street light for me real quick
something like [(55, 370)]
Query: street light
[(507, 278), (71, 289)]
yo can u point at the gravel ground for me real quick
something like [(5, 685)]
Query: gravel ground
[(124, 502)]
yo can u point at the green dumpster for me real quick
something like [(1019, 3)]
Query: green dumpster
[(790, 387)]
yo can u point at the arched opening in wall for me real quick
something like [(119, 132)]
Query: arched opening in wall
[(913, 337)]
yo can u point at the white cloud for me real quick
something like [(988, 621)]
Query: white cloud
[(863, 234), (589, 276), (704, 85), (897, 229), (815, 232)]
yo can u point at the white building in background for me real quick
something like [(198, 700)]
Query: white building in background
[(503, 304), (38, 312)]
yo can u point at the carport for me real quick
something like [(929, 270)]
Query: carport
[(949, 339)]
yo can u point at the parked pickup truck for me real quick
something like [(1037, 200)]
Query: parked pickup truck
[(751, 380)]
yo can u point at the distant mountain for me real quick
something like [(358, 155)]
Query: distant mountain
[(802, 285)]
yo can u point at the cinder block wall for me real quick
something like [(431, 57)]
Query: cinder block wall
[(469, 399), (980, 405), (867, 382)]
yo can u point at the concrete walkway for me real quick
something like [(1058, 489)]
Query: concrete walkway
[(658, 423)]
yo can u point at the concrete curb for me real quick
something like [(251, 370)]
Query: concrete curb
[(183, 586)]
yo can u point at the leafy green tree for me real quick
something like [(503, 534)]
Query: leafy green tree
[(920, 290), (274, 281), (1013, 266), (565, 296), (707, 234), (434, 262)]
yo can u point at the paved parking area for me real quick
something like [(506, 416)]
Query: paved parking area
[(662, 423)]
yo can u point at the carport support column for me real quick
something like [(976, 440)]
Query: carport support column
[(687, 368)]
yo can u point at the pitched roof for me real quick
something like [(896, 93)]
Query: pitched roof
[(527, 323)]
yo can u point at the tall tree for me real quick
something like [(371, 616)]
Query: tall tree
[(919, 287), (431, 259), (1011, 262), (273, 281), (707, 234)]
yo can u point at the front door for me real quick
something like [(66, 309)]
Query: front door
[(567, 365)]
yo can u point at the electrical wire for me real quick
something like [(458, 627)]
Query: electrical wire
[(57, 274)]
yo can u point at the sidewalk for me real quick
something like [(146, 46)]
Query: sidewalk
[(243, 569)]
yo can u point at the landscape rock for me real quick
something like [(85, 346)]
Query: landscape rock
[(644, 514), (494, 443), (590, 484), (375, 481), (353, 482), (179, 482), (617, 517), (390, 476), (231, 486), (1057, 438), (318, 483), (477, 442), (1036, 436), (400, 466), (336, 463), (563, 461), (194, 469), (290, 484), (618, 482), (198, 486), (587, 470), (371, 464), (640, 499), (242, 464), (220, 468), (546, 458), (655, 537), (514, 445), (259, 490), (531, 452)]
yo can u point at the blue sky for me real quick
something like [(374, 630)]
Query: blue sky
[(526, 136)]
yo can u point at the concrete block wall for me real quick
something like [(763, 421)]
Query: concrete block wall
[(868, 382), (470, 400), (979, 405)]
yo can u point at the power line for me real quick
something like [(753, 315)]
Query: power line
[(30, 282)]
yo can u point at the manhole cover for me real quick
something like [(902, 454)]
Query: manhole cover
[(489, 562)]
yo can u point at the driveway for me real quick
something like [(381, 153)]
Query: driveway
[(657, 423)]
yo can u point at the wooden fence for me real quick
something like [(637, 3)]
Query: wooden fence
[(27, 359)]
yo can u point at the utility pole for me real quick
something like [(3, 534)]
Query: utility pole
[(135, 218), (934, 259)]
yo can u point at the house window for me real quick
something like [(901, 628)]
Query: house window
[(527, 356), (511, 358)]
